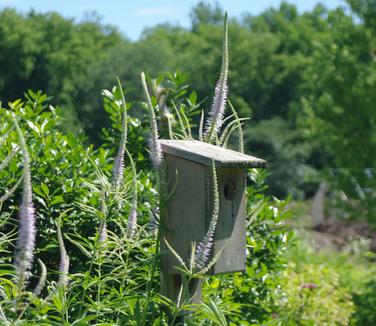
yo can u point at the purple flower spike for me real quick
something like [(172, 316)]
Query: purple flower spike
[(26, 239), (132, 221), (204, 248), (27, 230), (64, 260), (102, 232), (155, 150), (118, 170), (216, 114), (154, 145), (218, 107)]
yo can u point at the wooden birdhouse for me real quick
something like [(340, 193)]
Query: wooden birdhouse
[(188, 211)]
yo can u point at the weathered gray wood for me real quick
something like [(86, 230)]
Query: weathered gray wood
[(230, 235), (186, 215), (204, 153), (184, 220), (189, 211)]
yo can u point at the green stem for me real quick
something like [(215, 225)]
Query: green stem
[(150, 283), (157, 244), (84, 291)]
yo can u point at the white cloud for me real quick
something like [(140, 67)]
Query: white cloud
[(155, 11)]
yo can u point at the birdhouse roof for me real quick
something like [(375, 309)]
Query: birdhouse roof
[(204, 153)]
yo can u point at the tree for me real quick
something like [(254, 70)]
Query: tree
[(49, 52)]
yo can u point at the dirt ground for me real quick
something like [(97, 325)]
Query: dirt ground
[(337, 234)]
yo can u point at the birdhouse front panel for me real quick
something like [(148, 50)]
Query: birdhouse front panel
[(230, 234)]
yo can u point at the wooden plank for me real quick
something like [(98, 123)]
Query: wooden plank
[(204, 153), (183, 222), (184, 218), (230, 234)]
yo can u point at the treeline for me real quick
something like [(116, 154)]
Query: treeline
[(307, 81)]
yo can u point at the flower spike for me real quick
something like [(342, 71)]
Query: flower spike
[(154, 145), (218, 107), (27, 230)]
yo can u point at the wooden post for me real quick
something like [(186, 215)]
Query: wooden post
[(318, 206)]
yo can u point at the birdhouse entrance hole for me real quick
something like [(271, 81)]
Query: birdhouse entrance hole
[(229, 190)]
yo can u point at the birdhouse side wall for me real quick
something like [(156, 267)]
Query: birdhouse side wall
[(184, 214)]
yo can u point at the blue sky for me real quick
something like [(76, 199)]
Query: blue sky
[(132, 16)]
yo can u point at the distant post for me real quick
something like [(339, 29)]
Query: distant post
[(318, 205)]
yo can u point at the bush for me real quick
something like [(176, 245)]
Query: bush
[(313, 296), (352, 273), (116, 283)]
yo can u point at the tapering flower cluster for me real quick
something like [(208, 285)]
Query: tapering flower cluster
[(42, 280), (132, 220), (118, 170), (27, 231), (155, 150), (102, 231), (64, 260), (218, 107), (118, 175), (217, 111), (154, 145), (26, 237), (204, 248)]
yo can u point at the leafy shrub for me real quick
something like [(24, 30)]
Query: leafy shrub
[(109, 284), (365, 302), (313, 296), (354, 266)]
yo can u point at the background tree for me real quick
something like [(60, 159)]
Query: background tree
[(306, 80)]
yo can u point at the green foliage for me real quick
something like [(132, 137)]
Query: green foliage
[(365, 301), (313, 296), (113, 274), (353, 195), (366, 10), (352, 272), (49, 52), (311, 76), (307, 80), (55, 184), (338, 110), (116, 281), (286, 153)]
